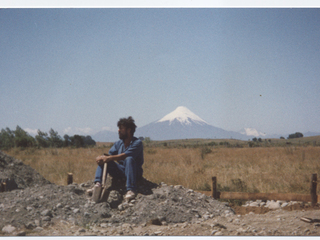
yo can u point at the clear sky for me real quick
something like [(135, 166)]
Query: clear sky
[(78, 70)]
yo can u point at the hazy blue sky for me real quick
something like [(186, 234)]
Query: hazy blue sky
[(234, 67)]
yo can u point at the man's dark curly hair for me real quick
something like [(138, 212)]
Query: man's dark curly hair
[(128, 123)]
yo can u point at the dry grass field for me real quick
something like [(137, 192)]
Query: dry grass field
[(276, 167)]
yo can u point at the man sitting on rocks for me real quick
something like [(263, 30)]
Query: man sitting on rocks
[(125, 158)]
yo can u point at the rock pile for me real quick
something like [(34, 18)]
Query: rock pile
[(37, 203), (17, 175)]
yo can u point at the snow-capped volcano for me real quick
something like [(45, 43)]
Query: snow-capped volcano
[(182, 115), (182, 124)]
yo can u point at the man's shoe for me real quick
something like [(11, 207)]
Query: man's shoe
[(90, 190), (130, 195)]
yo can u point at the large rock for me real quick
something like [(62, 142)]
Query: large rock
[(274, 205), (8, 229)]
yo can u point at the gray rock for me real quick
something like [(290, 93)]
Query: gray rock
[(38, 229), (46, 219), (254, 204), (121, 207), (104, 225), (21, 233), (213, 232), (8, 229), (29, 208), (30, 225), (114, 199), (206, 217), (219, 233), (274, 205), (46, 213), (76, 210), (262, 204), (59, 205), (37, 223)]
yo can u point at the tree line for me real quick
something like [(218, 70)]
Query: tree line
[(20, 138)]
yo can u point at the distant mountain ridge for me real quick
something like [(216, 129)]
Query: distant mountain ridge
[(105, 136), (184, 124)]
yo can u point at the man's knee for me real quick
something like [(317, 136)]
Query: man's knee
[(130, 160)]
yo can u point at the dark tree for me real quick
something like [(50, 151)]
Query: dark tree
[(88, 141), (22, 138), (55, 139), (67, 140), (6, 139), (77, 141), (42, 139)]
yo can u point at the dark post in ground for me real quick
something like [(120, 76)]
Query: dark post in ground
[(214, 187), (3, 187), (70, 178), (313, 190)]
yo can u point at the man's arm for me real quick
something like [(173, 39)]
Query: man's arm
[(104, 159)]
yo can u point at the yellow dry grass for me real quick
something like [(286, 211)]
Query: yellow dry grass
[(261, 169)]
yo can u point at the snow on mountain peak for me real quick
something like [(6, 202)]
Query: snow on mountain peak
[(183, 115)]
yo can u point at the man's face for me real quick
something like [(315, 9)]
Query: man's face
[(123, 132)]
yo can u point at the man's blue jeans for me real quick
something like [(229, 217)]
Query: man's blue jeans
[(128, 170)]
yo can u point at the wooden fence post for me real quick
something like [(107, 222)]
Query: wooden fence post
[(3, 187), (214, 187), (70, 178), (313, 189)]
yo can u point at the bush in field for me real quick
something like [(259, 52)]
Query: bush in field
[(295, 135), (204, 151), (225, 143), (212, 144)]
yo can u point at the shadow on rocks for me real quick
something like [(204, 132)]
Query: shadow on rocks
[(144, 186), (117, 189)]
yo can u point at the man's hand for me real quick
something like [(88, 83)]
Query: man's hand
[(102, 159)]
